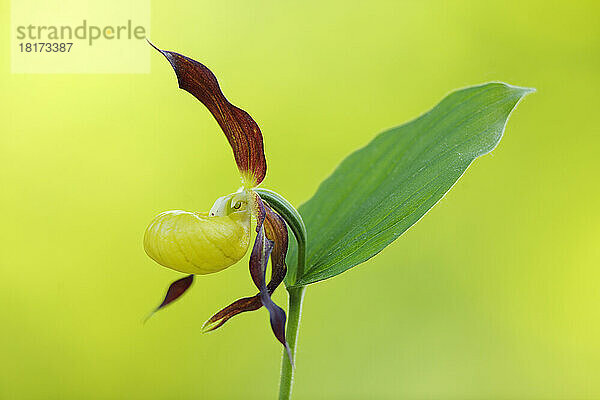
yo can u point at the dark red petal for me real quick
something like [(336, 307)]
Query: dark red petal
[(176, 290), (241, 130), (258, 266), (276, 230)]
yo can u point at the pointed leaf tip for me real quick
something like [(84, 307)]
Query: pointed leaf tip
[(381, 190)]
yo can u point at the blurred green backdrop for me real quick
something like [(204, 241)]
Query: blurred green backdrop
[(494, 294)]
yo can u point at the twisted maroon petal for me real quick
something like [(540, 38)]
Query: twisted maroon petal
[(241, 130), (258, 268)]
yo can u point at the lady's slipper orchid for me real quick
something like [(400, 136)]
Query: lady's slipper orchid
[(203, 243)]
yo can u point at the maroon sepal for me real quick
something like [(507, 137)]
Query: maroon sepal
[(242, 132), (175, 291)]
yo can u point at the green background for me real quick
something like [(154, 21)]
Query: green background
[(494, 294)]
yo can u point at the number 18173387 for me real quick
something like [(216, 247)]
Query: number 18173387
[(39, 47)]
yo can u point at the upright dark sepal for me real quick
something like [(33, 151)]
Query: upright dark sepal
[(241, 130), (175, 291)]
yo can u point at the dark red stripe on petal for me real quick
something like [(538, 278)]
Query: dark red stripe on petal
[(241, 130)]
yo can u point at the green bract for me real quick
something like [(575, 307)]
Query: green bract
[(381, 190)]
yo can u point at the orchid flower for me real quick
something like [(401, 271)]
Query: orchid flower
[(198, 243)]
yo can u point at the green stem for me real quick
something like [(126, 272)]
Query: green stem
[(296, 295)]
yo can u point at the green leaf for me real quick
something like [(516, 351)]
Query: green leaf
[(381, 190)]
